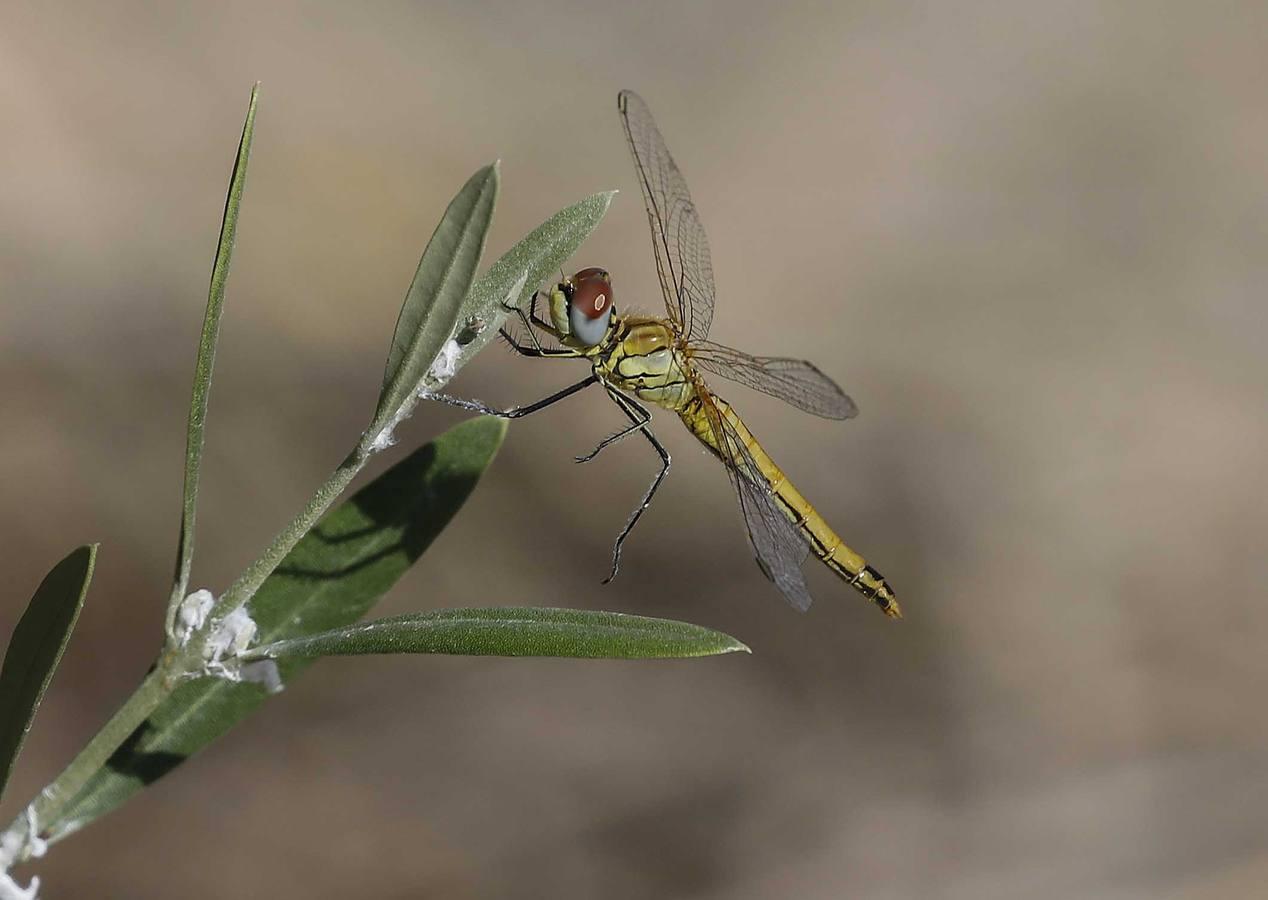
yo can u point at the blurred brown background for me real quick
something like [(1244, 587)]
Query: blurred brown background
[(1030, 239)]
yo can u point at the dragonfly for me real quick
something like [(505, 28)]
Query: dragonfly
[(662, 361)]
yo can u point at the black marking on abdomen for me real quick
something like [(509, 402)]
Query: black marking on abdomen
[(792, 514)]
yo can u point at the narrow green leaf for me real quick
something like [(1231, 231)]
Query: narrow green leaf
[(430, 313), (36, 648), (519, 272), (512, 632), (332, 578), (207, 357)]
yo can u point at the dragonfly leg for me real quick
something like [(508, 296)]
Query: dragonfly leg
[(537, 320), (635, 410), (529, 319), (639, 417), (536, 349), (516, 411)]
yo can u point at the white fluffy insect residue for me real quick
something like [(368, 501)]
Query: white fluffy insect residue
[(232, 635), (15, 847), (445, 364), (11, 890), (443, 367), (386, 438), (193, 613)]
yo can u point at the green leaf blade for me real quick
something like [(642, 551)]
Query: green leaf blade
[(206, 360), (430, 313), (38, 641), (500, 631), (332, 577)]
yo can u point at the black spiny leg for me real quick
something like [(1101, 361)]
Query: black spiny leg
[(536, 350), (536, 319), (639, 415), (516, 411)]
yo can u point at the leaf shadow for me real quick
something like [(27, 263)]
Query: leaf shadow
[(406, 521), (147, 766)]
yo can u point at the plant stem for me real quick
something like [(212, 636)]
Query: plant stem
[(255, 574), (175, 664), (55, 798)]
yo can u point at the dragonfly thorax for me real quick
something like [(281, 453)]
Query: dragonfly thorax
[(646, 336), (642, 359)]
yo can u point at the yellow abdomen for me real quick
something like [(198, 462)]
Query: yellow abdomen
[(824, 542)]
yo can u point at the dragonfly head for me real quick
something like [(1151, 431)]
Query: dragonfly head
[(581, 306)]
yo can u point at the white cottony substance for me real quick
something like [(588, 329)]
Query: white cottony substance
[(14, 847), (385, 438), (11, 890), (233, 634), (446, 362), (10, 846), (193, 613), (443, 367)]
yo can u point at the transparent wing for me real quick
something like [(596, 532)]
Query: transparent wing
[(778, 546), (794, 381), (682, 250)]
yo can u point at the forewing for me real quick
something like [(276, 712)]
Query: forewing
[(682, 250), (794, 381), (779, 548)]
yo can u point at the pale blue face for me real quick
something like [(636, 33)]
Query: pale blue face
[(585, 329)]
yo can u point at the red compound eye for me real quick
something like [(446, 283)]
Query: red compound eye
[(592, 292)]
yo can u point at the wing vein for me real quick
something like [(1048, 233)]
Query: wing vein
[(678, 238)]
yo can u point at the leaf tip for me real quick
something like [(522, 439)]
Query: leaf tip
[(728, 644), (605, 200)]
